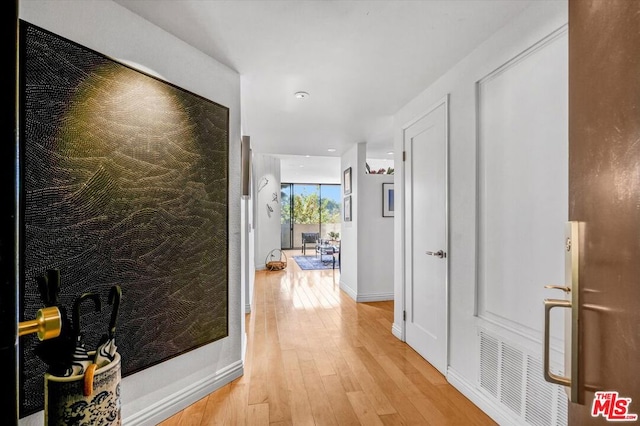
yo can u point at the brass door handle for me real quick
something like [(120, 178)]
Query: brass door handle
[(438, 253), (548, 375), (48, 324)]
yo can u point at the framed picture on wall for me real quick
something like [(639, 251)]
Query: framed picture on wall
[(388, 200), (347, 181), (347, 208)]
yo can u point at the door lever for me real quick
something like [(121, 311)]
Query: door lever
[(558, 287), (438, 253)]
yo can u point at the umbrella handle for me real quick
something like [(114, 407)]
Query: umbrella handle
[(76, 308), (115, 296)]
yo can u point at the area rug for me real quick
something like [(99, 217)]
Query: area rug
[(314, 262)]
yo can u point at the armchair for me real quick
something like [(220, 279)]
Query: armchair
[(309, 238)]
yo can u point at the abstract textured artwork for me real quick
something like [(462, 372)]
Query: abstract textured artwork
[(124, 181)]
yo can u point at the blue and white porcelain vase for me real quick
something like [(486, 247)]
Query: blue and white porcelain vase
[(66, 403)]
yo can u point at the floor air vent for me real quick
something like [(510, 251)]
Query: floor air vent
[(514, 380)]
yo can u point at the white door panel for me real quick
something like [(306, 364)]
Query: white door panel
[(426, 236)]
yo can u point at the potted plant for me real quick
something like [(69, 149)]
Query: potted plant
[(333, 236)]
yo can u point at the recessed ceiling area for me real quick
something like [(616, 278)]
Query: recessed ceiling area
[(359, 61), (307, 169)]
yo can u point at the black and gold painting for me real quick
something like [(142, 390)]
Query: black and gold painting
[(123, 181)]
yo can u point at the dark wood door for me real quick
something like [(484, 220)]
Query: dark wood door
[(604, 193)]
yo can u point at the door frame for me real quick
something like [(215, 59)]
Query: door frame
[(405, 228), (9, 224)]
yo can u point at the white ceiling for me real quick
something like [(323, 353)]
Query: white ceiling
[(360, 61)]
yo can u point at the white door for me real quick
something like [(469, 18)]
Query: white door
[(425, 143)]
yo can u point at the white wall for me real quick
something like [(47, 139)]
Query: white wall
[(155, 393), (349, 239), (375, 241), (267, 231), (535, 23), (315, 169), (367, 256), (248, 264)]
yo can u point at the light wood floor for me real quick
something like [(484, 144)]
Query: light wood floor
[(315, 357)]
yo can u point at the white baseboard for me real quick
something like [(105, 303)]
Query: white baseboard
[(350, 292), (469, 390), (370, 297), (396, 330), (374, 297), (245, 340), (172, 404)]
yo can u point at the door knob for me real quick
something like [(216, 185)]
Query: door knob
[(438, 253), (47, 324)]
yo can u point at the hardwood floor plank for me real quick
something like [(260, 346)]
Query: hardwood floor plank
[(465, 408), (339, 403), (258, 415), (403, 405), (392, 420), (347, 378), (363, 409), (373, 391), (216, 411), (238, 402), (320, 405), (193, 414), (258, 392), (173, 420), (298, 397)]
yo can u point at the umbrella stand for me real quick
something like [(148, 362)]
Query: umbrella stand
[(88, 394)]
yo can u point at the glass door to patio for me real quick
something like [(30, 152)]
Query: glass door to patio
[(309, 208)]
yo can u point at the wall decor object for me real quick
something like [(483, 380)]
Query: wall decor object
[(245, 150), (347, 181), (264, 181), (347, 208), (388, 200), (124, 181)]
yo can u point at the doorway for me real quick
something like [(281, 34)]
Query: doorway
[(308, 208), (426, 235)]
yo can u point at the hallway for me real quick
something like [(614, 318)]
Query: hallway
[(315, 357)]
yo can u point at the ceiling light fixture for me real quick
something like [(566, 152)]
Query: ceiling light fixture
[(301, 95), (390, 152), (331, 150)]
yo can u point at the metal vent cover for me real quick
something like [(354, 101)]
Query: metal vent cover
[(513, 379)]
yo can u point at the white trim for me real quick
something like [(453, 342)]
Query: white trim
[(542, 43), (350, 292), (396, 330), (245, 341), (172, 404), (490, 408), (374, 297)]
